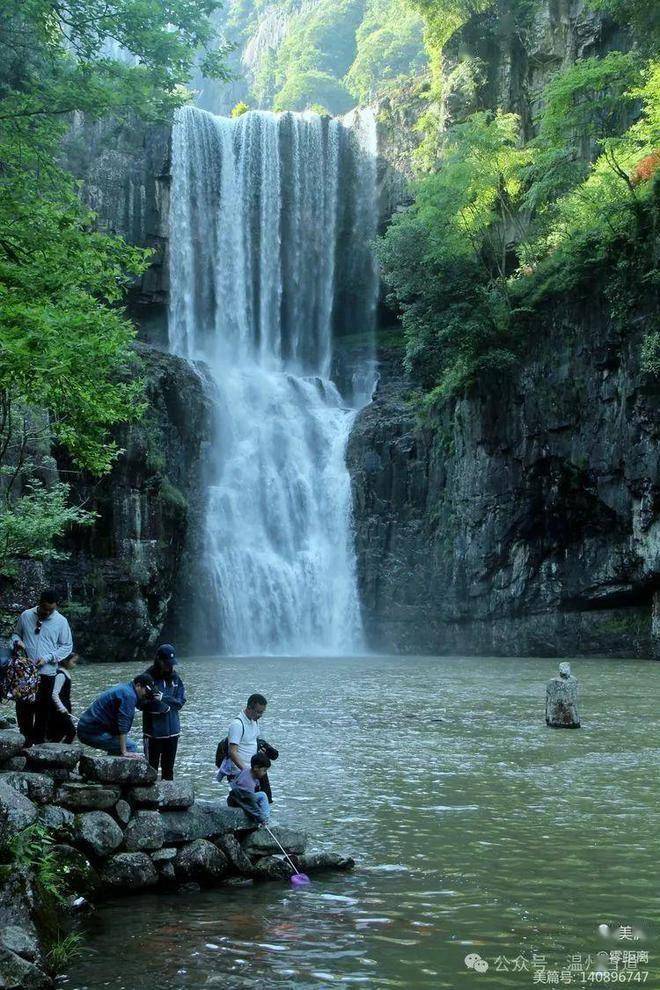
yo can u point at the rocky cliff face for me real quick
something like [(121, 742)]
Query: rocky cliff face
[(127, 573), (524, 518)]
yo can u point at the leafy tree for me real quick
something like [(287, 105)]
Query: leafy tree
[(66, 372), (389, 48)]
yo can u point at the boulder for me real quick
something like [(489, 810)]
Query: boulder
[(35, 786), (58, 821), (123, 811), (116, 770), (166, 873), (164, 855), (58, 774), (129, 871), (144, 797), (84, 796), (11, 744), (80, 876), (144, 831), (53, 755), (320, 862), (176, 794), (259, 843), (204, 820), (20, 941), (201, 862), (97, 832), (271, 868), (21, 974), (16, 809), (18, 763), (231, 847)]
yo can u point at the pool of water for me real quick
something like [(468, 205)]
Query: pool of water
[(478, 832)]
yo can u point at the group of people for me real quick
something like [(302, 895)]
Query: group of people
[(37, 677)]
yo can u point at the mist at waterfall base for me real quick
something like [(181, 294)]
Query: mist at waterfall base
[(272, 219)]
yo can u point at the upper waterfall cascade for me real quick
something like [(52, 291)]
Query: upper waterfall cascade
[(271, 222)]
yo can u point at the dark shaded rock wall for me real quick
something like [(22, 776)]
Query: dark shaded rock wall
[(524, 519), (127, 575)]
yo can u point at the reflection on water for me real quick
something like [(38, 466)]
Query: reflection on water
[(477, 830)]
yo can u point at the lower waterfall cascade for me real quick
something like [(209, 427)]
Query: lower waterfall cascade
[(272, 220)]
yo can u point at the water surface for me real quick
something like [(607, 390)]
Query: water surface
[(476, 830)]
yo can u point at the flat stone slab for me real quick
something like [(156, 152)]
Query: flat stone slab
[(85, 796), (144, 797), (36, 786), (164, 855), (260, 843), (175, 794), (205, 820), (11, 744), (116, 770), (56, 755), (97, 832)]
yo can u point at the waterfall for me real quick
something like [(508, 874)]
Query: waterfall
[(264, 214)]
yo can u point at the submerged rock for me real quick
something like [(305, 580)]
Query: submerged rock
[(98, 832), (36, 786), (144, 831), (129, 871), (561, 700), (116, 770), (201, 862), (319, 862)]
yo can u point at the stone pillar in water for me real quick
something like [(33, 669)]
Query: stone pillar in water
[(561, 700)]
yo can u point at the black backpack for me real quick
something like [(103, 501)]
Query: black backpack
[(222, 751)]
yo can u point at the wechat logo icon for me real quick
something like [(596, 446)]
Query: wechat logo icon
[(475, 962)]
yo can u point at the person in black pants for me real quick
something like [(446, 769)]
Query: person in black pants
[(61, 726), (160, 718)]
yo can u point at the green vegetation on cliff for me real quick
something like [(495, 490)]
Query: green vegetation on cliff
[(65, 345), (498, 223)]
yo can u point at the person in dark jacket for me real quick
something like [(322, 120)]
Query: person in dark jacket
[(160, 720)]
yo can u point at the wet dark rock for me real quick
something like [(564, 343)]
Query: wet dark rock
[(17, 763), (17, 973), (561, 700), (97, 832), (123, 812), (80, 876), (260, 843), (201, 862), (233, 850), (205, 820), (116, 770), (129, 871), (59, 822), (320, 862), (53, 755), (85, 796), (19, 941), (164, 855), (36, 786), (271, 868), (11, 744), (18, 810), (144, 831)]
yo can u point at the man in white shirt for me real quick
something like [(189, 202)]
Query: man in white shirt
[(242, 737), (46, 636)]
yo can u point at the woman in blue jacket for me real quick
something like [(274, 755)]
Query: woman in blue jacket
[(160, 718)]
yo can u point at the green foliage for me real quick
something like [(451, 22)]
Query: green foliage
[(32, 848), (30, 524), (640, 16), (65, 345), (65, 949), (239, 110), (304, 90), (389, 48)]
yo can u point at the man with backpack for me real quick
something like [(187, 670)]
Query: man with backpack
[(242, 742), (45, 636)]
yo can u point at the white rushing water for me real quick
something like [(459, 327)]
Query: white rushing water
[(265, 209)]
